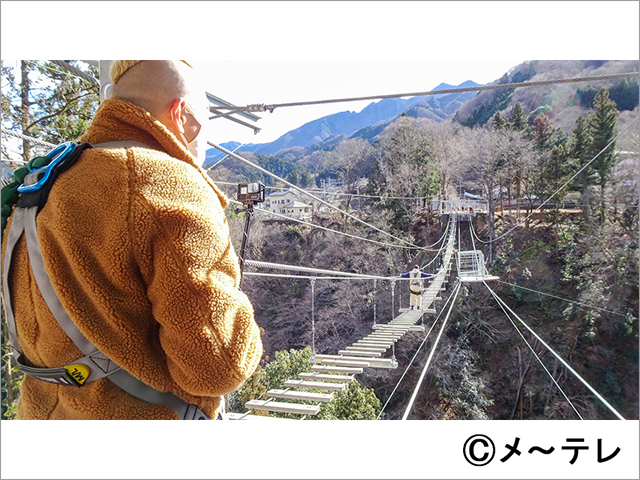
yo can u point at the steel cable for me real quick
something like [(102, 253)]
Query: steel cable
[(584, 382), (480, 88)]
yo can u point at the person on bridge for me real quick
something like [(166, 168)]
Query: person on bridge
[(415, 286), (136, 243)]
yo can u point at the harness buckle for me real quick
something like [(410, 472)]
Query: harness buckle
[(59, 376), (72, 375)]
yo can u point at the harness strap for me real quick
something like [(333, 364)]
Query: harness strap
[(24, 221)]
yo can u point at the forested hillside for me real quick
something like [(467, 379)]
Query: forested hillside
[(570, 273)]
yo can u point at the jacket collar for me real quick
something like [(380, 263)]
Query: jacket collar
[(117, 119)]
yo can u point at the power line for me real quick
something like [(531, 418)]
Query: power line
[(276, 177), (480, 88), (565, 184), (584, 382), (564, 299), (537, 357)]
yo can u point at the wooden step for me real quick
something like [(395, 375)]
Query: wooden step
[(244, 416), (385, 345), (272, 406), (392, 328), (385, 336), (366, 348), (378, 338), (359, 353), (336, 387), (327, 378), (360, 362), (331, 368), (371, 348), (295, 395), (373, 362)]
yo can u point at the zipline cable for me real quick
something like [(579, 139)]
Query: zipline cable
[(584, 382), (566, 300), (536, 355), (324, 191), (433, 349), (565, 184), (279, 266), (479, 88), (76, 71), (33, 140), (337, 232), (305, 277), (276, 177), (414, 356), (220, 161)]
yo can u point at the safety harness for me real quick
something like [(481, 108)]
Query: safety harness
[(95, 364), (414, 285)]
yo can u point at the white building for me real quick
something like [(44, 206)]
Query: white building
[(287, 203)]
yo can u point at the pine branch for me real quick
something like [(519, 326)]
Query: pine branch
[(59, 111)]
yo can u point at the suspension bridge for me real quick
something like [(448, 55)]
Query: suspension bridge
[(330, 373)]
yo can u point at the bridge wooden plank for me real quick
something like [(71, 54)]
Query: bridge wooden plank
[(332, 368), (244, 416), (327, 378), (373, 362), (367, 348), (315, 385), (360, 362), (272, 406), (358, 353), (295, 395)]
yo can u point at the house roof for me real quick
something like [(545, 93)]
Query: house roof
[(282, 194), (299, 205)]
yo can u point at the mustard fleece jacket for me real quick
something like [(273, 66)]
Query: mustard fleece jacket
[(137, 246)]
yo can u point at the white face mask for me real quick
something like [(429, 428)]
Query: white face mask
[(199, 153)]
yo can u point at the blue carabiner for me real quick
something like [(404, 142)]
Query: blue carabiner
[(56, 155)]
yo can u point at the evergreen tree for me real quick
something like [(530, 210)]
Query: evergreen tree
[(499, 122), (47, 103), (579, 151), (519, 119), (602, 123)]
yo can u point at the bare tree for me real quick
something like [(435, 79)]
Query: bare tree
[(350, 160), (443, 147)]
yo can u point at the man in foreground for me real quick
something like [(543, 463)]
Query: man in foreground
[(137, 248)]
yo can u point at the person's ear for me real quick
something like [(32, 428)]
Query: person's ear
[(177, 116)]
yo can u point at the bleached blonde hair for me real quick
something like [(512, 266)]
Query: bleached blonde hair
[(119, 67)]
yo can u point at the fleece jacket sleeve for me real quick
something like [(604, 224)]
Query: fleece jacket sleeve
[(181, 238)]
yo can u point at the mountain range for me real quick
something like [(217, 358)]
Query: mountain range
[(436, 107)]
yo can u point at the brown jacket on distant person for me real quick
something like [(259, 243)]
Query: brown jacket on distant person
[(137, 246)]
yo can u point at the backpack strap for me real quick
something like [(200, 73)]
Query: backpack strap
[(94, 365)]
